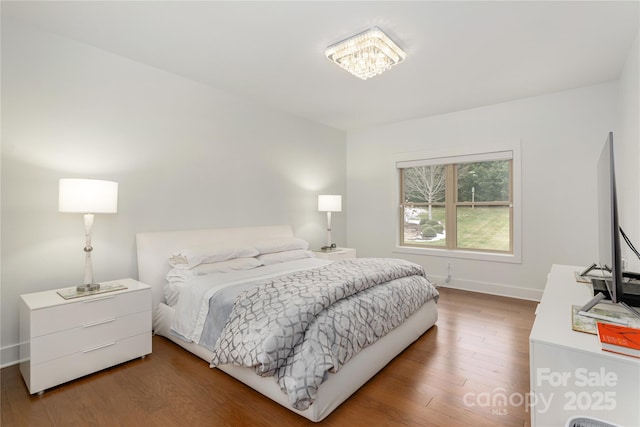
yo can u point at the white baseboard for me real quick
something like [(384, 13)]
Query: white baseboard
[(490, 288), (9, 355)]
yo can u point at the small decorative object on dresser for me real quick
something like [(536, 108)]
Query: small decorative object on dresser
[(335, 254), (64, 339)]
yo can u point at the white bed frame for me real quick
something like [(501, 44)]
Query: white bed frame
[(155, 248)]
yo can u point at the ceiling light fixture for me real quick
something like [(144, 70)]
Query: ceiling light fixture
[(366, 54)]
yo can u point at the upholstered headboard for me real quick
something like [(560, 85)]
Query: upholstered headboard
[(155, 248)]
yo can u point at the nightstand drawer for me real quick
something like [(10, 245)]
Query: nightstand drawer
[(61, 370), (86, 311), (53, 346)]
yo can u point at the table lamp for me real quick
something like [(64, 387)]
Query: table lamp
[(88, 196), (328, 204)]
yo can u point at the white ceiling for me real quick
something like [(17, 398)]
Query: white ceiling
[(460, 55)]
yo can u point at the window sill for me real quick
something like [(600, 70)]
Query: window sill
[(459, 254)]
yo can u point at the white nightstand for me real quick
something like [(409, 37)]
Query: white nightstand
[(64, 339), (335, 254)]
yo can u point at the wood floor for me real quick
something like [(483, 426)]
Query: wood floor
[(477, 350)]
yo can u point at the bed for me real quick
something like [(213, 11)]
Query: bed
[(154, 250)]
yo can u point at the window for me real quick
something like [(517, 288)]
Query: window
[(458, 203)]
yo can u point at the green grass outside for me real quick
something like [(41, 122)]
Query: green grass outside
[(484, 227)]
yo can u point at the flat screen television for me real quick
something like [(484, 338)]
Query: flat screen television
[(612, 285), (609, 251)]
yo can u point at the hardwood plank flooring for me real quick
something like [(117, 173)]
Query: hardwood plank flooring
[(478, 349)]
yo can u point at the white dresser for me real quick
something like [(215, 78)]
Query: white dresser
[(335, 254), (570, 373), (62, 340)]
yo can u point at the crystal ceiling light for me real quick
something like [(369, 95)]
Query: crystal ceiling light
[(366, 54)]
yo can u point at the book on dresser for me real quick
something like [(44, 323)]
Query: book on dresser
[(619, 339)]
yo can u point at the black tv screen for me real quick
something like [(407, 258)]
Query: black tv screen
[(609, 252)]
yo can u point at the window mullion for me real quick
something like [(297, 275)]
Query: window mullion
[(450, 210)]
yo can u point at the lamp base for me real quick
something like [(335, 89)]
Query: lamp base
[(332, 247), (91, 287)]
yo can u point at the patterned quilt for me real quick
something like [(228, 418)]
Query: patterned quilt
[(300, 326)]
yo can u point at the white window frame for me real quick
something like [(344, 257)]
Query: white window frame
[(486, 152)]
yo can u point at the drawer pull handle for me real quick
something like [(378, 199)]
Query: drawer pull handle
[(98, 347), (97, 299), (101, 322)]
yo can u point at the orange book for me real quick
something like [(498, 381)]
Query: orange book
[(619, 339)]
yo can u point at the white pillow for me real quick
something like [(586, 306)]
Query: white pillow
[(177, 276), (278, 257), (227, 266), (280, 245), (189, 258), (181, 274)]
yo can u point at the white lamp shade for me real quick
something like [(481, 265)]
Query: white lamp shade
[(88, 196), (330, 203)]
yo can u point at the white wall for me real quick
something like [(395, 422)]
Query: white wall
[(627, 143), (185, 155), (561, 136)]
